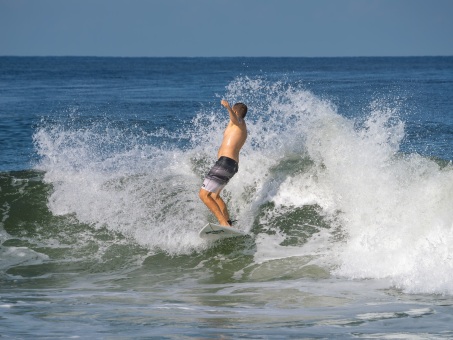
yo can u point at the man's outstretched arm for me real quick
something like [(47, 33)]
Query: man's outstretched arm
[(233, 116)]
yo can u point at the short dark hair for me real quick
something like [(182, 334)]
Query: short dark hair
[(241, 109)]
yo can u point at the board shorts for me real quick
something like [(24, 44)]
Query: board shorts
[(220, 174)]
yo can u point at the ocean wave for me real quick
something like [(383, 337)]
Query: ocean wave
[(311, 183)]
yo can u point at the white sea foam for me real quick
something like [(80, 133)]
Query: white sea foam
[(393, 210)]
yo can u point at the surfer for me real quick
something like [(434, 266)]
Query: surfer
[(227, 164)]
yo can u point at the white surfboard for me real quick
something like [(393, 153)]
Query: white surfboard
[(214, 232)]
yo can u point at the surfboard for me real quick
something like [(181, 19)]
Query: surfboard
[(214, 232)]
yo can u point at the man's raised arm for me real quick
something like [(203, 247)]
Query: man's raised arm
[(233, 116)]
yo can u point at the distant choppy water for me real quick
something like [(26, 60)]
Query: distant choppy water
[(345, 187)]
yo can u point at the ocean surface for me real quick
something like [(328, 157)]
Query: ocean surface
[(345, 188)]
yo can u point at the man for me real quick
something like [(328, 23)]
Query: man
[(227, 164)]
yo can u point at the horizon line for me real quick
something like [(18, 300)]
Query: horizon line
[(172, 56)]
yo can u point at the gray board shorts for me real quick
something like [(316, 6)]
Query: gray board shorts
[(220, 174)]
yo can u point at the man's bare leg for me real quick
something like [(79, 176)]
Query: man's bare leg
[(222, 206), (216, 205)]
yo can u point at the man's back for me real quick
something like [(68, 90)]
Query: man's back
[(233, 139)]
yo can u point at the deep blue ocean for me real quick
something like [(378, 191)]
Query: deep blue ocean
[(345, 188)]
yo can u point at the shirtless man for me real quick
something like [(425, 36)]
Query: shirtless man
[(227, 164)]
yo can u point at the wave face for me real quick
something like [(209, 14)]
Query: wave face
[(312, 183)]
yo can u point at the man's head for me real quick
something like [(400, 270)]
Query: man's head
[(240, 109)]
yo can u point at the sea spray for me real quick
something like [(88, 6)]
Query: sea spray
[(357, 204), (115, 179), (394, 210)]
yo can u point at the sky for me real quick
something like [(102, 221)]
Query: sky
[(207, 28)]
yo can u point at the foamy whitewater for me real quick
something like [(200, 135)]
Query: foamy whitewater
[(313, 186)]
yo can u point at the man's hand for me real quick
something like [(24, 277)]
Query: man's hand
[(225, 104), (233, 116)]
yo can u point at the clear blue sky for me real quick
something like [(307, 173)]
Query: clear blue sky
[(226, 27)]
